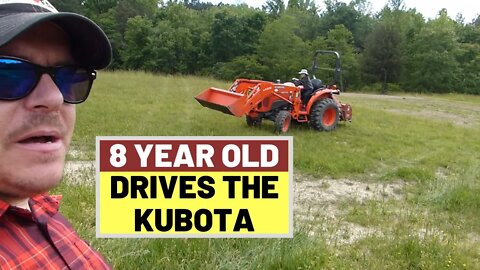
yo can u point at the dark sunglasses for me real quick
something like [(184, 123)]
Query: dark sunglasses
[(19, 77)]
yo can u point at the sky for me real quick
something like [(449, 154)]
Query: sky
[(429, 8)]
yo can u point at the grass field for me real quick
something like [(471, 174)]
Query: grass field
[(397, 188)]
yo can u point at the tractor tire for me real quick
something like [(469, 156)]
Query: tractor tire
[(253, 121), (282, 121), (324, 115)]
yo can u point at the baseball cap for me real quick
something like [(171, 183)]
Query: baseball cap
[(89, 44), (303, 71)]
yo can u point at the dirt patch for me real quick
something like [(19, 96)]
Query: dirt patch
[(329, 190), (79, 172), (76, 153), (457, 120), (317, 201), (348, 233), (76, 166), (472, 241), (324, 192)]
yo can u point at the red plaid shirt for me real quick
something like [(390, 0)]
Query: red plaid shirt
[(42, 239)]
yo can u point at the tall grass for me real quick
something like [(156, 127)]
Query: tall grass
[(438, 159)]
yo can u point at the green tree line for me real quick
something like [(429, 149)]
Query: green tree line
[(396, 47)]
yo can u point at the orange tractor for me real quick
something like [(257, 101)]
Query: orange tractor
[(281, 102)]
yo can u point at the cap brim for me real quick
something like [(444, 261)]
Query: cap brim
[(89, 44)]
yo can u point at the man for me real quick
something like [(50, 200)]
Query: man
[(307, 85), (47, 62)]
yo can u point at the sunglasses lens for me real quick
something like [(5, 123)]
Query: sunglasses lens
[(74, 83), (17, 79)]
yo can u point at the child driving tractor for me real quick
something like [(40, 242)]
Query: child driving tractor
[(313, 103)]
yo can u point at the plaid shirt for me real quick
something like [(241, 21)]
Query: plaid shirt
[(42, 239)]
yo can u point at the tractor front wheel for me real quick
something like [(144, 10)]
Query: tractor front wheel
[(324, 115), (253, 121), (282, 121)]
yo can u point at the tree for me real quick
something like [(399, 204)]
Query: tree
[(164, 48), (305, 5), (240, 67), (197, 5), (431, 59), (307, 22), (382, 58), (235, 32), (274, 8), (407, 22), (396, 5), (476, 21), (293, 4), (352, 16), (401, 27), (281, 50), (126, 9), (74, 6), (340, 39), (95, 7), (469, 58), (137, 54), (107, 21), (194, 29)]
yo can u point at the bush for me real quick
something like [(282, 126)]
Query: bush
[(240, 67)]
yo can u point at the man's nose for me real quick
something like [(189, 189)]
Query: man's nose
[(46, 96)]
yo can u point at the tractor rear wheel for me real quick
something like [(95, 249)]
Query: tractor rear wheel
[(253, 121), (324, 115), (282, 121)]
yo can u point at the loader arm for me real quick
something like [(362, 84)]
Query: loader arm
[(243, 97)]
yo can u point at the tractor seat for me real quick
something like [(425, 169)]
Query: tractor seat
[(317, 84)]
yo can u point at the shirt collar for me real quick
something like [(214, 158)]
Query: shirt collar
[(3, 207), (41, 203), (44, 203)]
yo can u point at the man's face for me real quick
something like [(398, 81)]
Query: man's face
[(35, 131)]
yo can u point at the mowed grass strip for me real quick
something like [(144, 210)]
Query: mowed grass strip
[(439, 160)]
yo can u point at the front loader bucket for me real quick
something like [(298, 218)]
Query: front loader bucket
[(223, 101)]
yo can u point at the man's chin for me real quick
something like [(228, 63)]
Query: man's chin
[(39, 179), (26, 173), (26, 188)]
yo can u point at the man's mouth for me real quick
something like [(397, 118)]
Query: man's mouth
[(39, 139), (42, 141)]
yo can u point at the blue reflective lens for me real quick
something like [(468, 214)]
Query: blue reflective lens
[(73, 83), (10, 61), (17, 78)]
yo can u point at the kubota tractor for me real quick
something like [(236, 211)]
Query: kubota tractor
[(281, 102)]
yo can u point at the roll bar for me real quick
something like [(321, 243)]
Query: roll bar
[(337, 77)]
